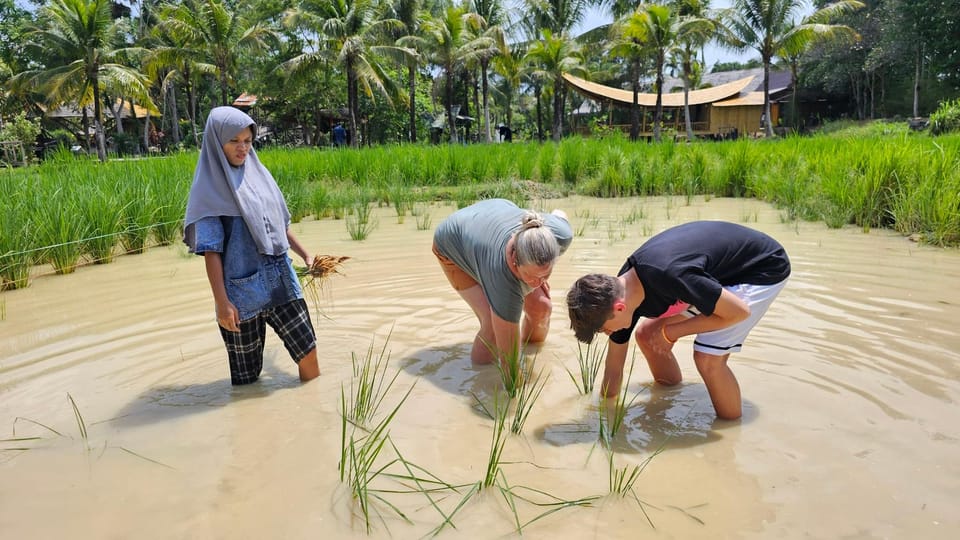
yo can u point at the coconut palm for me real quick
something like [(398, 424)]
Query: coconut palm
[(215, 34), (628, 41), (353, 34), (493, 17), (768, 26), (451, 40), (170, 58), (508, 64), (696, 29), (552, 56), (814, 29), (657, 27), (84, 58), (411, 14)]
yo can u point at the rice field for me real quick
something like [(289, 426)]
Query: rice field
[(69, 211)]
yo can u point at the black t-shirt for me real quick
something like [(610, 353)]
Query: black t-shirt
[(694, 261)]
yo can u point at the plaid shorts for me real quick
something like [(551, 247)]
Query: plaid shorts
[(290, 321)]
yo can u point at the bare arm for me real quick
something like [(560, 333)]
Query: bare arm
[(298, 248), (507, 336), (613, 368), (227, 315), (730, 310)]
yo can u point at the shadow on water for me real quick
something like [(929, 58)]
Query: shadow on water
[(163, 403), (660, 417)]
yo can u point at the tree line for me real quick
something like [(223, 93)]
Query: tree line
[(391, 69)]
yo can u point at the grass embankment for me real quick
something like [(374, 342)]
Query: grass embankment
[(69, 211)]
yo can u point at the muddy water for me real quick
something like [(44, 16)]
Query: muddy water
[(850, 429)]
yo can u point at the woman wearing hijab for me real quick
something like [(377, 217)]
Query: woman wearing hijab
[(238, 220)]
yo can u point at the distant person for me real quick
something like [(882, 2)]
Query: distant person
[(506, 134), (498, 257), (339, 135), (711, 279), (238, 220)]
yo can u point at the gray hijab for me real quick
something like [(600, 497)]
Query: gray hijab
[(249, 191)]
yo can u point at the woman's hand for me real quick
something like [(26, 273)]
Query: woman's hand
[(228, 317)]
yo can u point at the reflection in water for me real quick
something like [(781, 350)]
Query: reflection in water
[(850, 388)]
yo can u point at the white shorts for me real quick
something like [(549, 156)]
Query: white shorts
[(730, 339)]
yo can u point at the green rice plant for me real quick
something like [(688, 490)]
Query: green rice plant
[(369, 384), (590, 357), (621, 480), (616, 232), (62, 233), (526, 162), (139, 215), (361, 463), (736, 170), (402, 200), (3, 309), (320, 201), (527, 395), (102, 210), (546, 162), (610, 426), (571, 159), (424, 221), (361, 225), (636, 214), (748, 216), (81, 425), (17, 251)]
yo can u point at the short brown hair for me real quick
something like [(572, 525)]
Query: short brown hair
[(590, 304)]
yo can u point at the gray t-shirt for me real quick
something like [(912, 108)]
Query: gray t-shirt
[(475, 239)]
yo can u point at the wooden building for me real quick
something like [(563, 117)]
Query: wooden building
[(729, 104)]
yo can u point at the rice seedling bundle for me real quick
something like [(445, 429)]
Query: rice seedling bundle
[(313, 277)]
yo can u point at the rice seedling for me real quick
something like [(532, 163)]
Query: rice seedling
[(610, 426), (369, 384), (747, 216), (361, 225), (589, 358), (424, 221), (3, 309), (635, 214), (313, 278), (616, 232), (527, 395), (361, 463)]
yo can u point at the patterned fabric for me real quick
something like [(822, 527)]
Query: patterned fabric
[(245, 348)]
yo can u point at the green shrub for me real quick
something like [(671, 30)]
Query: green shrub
[(946, 119)]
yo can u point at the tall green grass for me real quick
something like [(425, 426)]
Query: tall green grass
[(880, 175)]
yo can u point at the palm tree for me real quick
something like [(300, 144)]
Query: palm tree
[(658, 27), (452, 39), (170, 59), (553, 56), (81, 43), (696, 29), (352, 33), (492, 13), (768, 26), (410, 13), (214, 32), (814, 29), (508, 64), (628, 41)]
